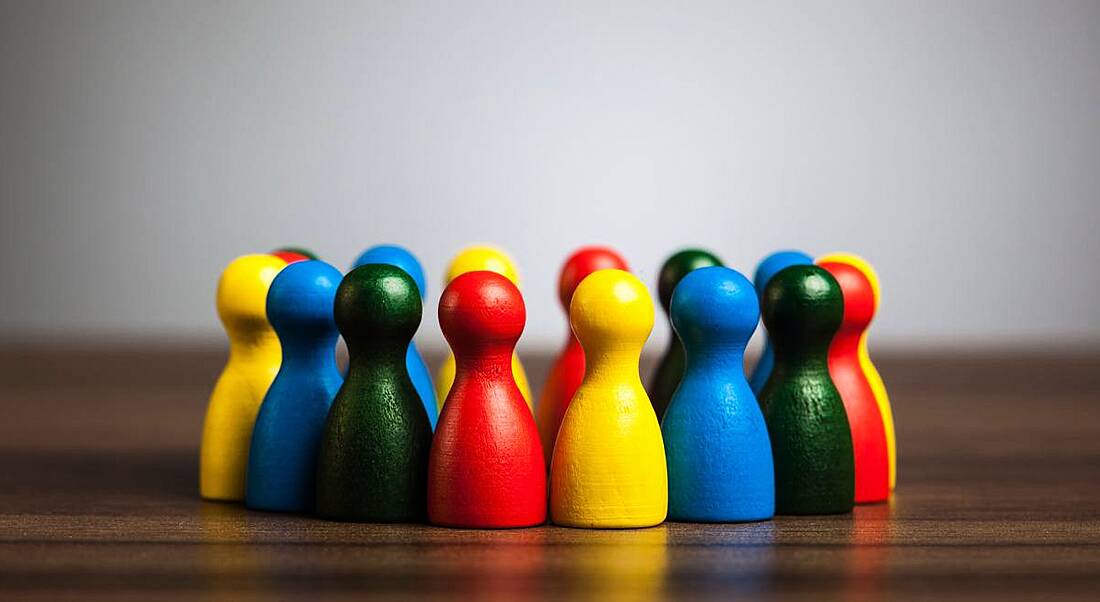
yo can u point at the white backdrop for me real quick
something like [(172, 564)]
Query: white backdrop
[(954, 144)]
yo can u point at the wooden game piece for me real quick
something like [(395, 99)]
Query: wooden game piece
[(568, 370), (864, 419), (418, 370), (770, 266), (293, 254), (671, 366), (254, 357), (282, 461), (802, 308), (608, 468), (473, 259), (868, 367), (486, 467), (719, 454), (373, 462)]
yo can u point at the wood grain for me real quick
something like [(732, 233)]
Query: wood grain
[(999, 477)]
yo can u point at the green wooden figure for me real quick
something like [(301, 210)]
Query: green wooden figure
[(815, 471), (373, 462), (671, 367)]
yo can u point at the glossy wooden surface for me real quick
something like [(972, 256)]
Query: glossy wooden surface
[(486, 468), (999, 482)]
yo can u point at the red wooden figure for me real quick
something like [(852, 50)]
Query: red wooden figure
[(864, 418), (293, 254), (486, 466), (568, 371)]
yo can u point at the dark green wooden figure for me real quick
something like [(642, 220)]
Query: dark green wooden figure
[(815, 470), (373, 463), (671, 367)]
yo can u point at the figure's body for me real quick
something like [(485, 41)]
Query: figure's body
[(811, 440), (414, 362), (608, 468), (868, 428), (770, 266), (878, 388), (254, 358), (568, 370), (472, 259), (486, 468), (670, 368), (373, 462), (719, 455), (282, 461)]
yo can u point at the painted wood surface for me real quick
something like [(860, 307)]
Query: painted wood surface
[(811, 441), (568, 369), (254, 358), (719, 455), (282, 458), (372, 466), (293, 254), (869, 442), (671, 366), (608, 468), (472, 259), (487, 468), (414, 362), (769, 267), (870, 372)]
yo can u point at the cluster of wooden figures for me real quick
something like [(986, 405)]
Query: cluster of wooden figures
[(286, 430)]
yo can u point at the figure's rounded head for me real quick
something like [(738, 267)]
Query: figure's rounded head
[(774, 263), (301, 297), (400, 257), (715, 304), (378, 301), (480, 309), (483, 257), (802, 303), (583, 262), (242, 290), (677, 266), (860, 264), (293, 254), (859, 295), (611, 307)]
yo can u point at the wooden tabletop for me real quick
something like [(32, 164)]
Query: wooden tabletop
[(998, 489)]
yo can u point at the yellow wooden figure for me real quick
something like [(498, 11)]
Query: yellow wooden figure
[(608, 468), (474, 259), (254, 358), (869, 370)]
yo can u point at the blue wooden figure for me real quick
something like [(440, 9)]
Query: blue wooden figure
[(418, 371), (771, 266), (282, 460), (716, 441)]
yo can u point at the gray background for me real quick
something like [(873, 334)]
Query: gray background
[(954, 144)]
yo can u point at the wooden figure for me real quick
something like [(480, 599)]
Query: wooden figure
[(856, 377), (282, 461), (770, 266), (568, 370), (486, 466), (418, 370), (719, 455), (293, 254), (608, 468), (472, 259), (373, 462), (254, 357), (671, 366), (811, 442)]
